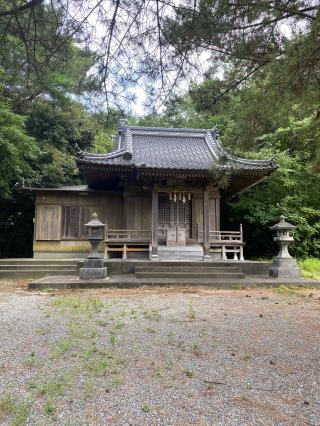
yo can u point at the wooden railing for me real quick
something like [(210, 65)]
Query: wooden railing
[(221, 236), (224, 242), (128, 235)]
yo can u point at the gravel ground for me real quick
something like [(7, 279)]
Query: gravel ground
[(180, 356)]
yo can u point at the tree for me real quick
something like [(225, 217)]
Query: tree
[(17, 150), (38, 55), (158, 43)]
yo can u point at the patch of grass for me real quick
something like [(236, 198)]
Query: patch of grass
[(152, 314), (310, 268), (171, 338), (64, 345), (98, 362), (51, 389), (196, 348), (146, 408), (191, 311), (98, 366), (101, 323), (49, 408), (43, 330), (32, 359), (287, 290), (117, 380), (117, 326), (79, 304), (15, 409), (81, 330), (239, 287), (246, 357), (188, 372), (113, 339), (88, 388)]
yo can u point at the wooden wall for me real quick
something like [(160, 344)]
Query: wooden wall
[(197, 214), (60, 216), (137, 211)]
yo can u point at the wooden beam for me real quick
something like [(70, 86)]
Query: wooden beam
[(154, 223), (206, 224)]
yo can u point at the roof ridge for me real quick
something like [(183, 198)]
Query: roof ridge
[(169, 129)]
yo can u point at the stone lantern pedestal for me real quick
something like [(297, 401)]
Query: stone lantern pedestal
[(93, 267), (283, 265)]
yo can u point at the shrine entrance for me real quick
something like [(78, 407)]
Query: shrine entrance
[(175, 216)]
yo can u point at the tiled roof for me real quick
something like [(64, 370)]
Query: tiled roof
[(175, 149)]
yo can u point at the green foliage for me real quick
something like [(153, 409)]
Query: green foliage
[(103, 143), (310, 268), (57, 128), (287, 191), (269, 40), (43, 59), (17, 148)]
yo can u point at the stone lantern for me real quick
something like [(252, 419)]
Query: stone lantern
[(283, 265), (93, 267)]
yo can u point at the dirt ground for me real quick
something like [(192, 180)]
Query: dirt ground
[(161, 356)]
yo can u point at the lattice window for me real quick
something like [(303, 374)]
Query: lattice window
[(164, 210), (184, 212), (174, 212)]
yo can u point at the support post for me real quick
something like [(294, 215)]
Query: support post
[(224, 254), (241, 257), (206, 230), (241, 254), (154, 223), (235, 254)]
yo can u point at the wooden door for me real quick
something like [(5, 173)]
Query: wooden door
[(174, 216)]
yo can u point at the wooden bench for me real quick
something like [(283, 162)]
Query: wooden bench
[(126, 241)]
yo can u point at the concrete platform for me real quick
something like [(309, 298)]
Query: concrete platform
[(131, 281)]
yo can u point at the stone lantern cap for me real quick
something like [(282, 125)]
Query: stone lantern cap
[(282, 225), (94, 222)]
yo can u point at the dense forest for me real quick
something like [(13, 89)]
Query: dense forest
[(251, 69)]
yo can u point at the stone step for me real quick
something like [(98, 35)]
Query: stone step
[(179, 256), (191, 247), (131, 281), (27, 266), (31, 261), (34, 273), (180, 253), (190, 275), (183, 258), (189, 264), (188, 269), (191, 253)]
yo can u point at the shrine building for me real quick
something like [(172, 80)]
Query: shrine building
[(159, 194)]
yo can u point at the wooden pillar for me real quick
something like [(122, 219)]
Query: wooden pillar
[(154, 223), (241, 257), (206, 227)]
